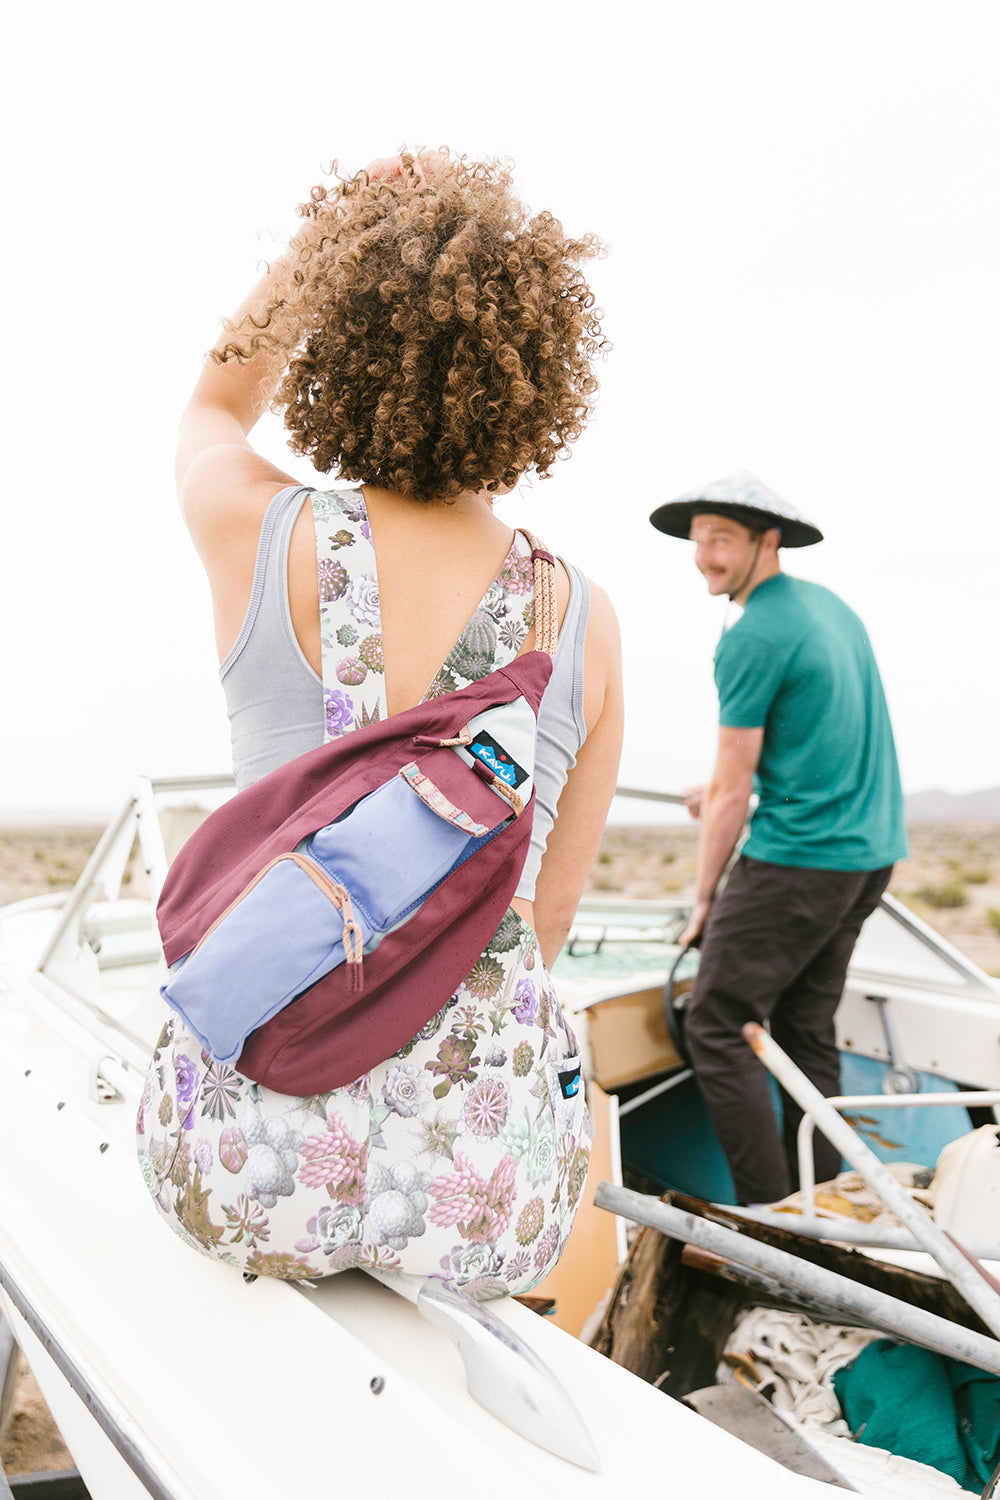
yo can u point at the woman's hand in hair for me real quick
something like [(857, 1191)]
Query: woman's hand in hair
[(420, 165), (384, 168)]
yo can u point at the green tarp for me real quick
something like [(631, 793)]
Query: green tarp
[(924, 1406)]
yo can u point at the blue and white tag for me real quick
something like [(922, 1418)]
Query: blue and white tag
[(488, 749), (503, 738), (570, 1080)]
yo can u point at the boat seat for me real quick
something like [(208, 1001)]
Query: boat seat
[(629, 1039), (100, 922), (121, 936)]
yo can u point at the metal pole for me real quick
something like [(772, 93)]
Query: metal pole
[(8, 1374), (677, 798), (151, 1470), (896, 1319), (963, 1276), (663, 1087), (852, 1231)]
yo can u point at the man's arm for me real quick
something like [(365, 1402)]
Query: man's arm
[(723, 814)]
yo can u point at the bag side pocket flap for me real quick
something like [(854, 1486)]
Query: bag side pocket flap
[(447, 784)]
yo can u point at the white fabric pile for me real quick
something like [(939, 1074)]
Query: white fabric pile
[(793, 1361)]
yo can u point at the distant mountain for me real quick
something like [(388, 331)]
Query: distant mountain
[(947, 807)]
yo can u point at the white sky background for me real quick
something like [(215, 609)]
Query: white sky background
[(802, 207)]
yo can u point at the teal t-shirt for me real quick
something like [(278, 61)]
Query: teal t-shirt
[(799, 665)]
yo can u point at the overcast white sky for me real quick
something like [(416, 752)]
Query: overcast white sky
[(802, 207)]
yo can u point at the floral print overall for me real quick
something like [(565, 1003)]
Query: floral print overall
[(463, 1156)]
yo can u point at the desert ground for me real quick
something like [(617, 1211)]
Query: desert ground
[(951, 879)]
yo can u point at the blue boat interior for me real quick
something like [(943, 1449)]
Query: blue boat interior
[(669, 1143)]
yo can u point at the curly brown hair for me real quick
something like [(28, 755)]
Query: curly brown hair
[(438, 339)]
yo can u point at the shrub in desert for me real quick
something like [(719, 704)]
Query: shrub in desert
[(950, 894)]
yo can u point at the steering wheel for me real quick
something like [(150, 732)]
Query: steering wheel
[(676, 993)]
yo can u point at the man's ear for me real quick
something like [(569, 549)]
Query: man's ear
[(772, 539)]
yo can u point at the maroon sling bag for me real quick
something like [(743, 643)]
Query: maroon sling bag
[(336, 1030)]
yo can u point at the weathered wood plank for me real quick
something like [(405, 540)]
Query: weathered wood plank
[(667, 1321)]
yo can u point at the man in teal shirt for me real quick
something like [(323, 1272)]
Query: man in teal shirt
[(803, 722)]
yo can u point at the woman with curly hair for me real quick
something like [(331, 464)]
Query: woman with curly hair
[(431, 342)]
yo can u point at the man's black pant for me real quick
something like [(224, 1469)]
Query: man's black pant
[(776, 947)]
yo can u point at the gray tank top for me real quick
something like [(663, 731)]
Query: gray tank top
[(275, 699)]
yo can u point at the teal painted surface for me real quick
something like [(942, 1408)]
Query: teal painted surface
[(910, 1134), (671, 1141)]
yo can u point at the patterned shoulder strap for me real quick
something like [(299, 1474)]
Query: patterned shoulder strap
[(349, 616), (521, 595), (498, 628)]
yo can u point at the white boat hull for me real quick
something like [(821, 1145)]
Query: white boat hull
[(169, 1374), (211, 1387)]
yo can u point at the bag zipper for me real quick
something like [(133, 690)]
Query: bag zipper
[(338, 896)]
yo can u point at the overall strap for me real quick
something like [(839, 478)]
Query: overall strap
[(498, 627), (349, 616), (354, 694)]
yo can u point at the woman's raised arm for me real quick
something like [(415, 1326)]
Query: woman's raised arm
[(225, 405)]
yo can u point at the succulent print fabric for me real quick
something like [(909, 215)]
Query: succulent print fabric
[(351, 625), (461, 1157)]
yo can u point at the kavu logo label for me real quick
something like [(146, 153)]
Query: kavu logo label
[(569, 1082), (490, 751)]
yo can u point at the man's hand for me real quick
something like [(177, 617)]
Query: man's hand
[(694, 796), (696, 923), (722, 807)]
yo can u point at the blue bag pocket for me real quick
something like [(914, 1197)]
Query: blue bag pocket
[(282, 934), (390, 851), (319, 907)]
